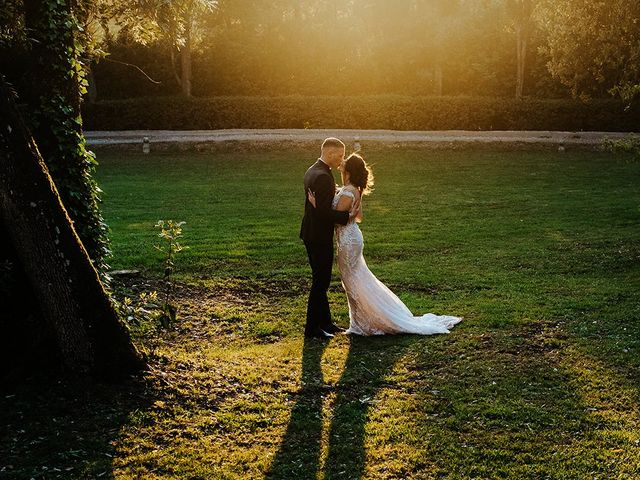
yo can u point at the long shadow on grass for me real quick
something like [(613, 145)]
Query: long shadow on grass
[(610, 334), (65, 429), (368, 362), (510, 408), (299, 453)]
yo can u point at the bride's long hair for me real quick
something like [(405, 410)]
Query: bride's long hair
[(360, 174)]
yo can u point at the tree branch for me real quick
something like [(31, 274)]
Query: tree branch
[(134, 66)]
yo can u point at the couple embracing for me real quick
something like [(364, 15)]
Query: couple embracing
[(373, 308)]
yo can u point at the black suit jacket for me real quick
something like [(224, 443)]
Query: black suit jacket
[(317, 223)]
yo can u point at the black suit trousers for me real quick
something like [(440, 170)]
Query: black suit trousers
[(321, 261)]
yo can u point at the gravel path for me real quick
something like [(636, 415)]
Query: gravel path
[(95, 138)]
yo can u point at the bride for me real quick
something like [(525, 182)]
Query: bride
[(373, 308)]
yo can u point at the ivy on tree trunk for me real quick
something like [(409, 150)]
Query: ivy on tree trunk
[(53, 92), (86, 333), (54, 243)]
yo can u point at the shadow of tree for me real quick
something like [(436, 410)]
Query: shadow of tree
[(66, 428), (513, 407), (610, 332)]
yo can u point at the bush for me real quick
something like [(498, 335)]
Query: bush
[(393, 112)]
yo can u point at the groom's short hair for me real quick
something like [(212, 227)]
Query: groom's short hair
[(332, 142)]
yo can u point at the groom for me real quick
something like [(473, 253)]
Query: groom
[(317, 235)]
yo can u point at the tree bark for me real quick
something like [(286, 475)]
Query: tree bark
[(92, 89), (89, 335), (185, 61), (184, 77), (521, 57), (523, 24), (437, 80)]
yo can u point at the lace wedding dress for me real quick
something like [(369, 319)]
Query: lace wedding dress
[(373, 308)]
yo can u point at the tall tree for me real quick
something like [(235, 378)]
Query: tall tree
[(55, 303), (594, 46), (521, 13), (85, 330), (176, 23), (442, 21)]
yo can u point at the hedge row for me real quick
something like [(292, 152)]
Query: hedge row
[(365, 112)]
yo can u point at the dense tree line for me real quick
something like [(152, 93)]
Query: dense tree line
[(417, 47), (503, 48)]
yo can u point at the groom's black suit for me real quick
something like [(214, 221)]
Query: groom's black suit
[(317, 234)]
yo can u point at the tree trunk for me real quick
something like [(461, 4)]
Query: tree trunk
[(185, 63), (523, 25), (437, 80), (25, 341), (184, 77), (92, 89), (521, 57), (89, 336), (52, 92)]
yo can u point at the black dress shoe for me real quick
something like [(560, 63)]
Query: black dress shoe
[(318, 333), (333, 328)]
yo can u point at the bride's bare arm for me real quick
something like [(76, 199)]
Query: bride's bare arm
[(344, 204), (351, 205)]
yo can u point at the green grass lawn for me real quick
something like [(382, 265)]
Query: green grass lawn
[(539, 251)]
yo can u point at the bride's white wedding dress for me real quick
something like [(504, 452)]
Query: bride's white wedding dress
[(373, 308)]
